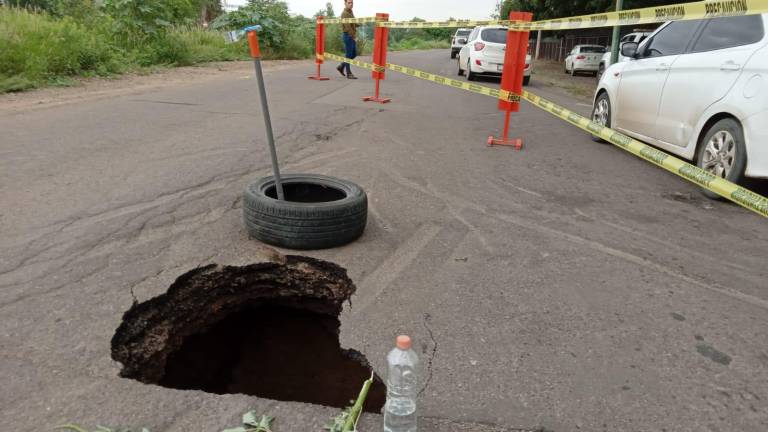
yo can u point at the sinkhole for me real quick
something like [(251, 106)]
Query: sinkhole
[(269, 330)]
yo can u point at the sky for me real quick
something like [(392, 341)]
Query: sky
[(399, 10)]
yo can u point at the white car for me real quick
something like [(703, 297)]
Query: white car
[(484, 54), (458, 40), (636, 36), (698, 89), (584, 58)]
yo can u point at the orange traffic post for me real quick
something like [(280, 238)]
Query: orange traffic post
[(319, 49), (512, 77), (380, 40)]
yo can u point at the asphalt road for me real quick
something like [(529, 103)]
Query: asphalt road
[(569, 286)]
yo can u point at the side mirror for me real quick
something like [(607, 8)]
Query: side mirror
[(629, 49), (462, 41)]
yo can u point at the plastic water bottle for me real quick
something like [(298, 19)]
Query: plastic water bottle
[(400, 409)]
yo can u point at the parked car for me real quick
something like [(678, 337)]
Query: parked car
[(458, 40), (697, 89), (484, 54), (584, 58), (636, 36)]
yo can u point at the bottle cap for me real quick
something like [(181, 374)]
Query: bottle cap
[(404, 342)]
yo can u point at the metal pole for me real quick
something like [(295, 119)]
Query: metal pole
[(538, 45), (268, 126), (615, 40)]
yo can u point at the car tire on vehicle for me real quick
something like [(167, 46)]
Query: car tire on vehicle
[(319, 212), (471, 76), (453, 54), (723, 153), (601, 113), (461, 71), (526, 80)]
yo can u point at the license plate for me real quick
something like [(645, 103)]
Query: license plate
[(500, 68)]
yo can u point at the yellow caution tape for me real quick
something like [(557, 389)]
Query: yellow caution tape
[(743, 197), (685, 11), (362, 20), (659, 14), (441, 24), (450, 82)]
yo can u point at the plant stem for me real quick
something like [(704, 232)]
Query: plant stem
[(357, 408)]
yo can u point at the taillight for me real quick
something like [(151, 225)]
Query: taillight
[(479, 46), (527, 65), (478, 62), (581, 57)]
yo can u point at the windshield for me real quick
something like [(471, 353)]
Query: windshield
[(497, 35), (461, 33), (593, 49)]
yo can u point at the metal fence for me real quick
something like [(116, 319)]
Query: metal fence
[(558, 49)]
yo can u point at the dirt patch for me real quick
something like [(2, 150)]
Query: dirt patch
[(268, 330), (550, 74), (97, 88)]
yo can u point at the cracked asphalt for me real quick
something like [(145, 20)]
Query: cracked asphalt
[(568, 286)]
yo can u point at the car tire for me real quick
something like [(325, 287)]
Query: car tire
[(461, 71), (319, 212), (565, 68), (526, 80), (471, 76), (601, 113), (453, 54), (723, 153)]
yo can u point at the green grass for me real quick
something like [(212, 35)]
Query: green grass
[(419, 44), (39, 50)]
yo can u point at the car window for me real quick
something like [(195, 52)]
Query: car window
[(672, 39), (642, 38), (497, 35), (592, 49), (730, 32), (626, 38), (461, 33)]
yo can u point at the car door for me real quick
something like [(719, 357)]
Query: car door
[(464, 53), (642, 79), (706, 74)]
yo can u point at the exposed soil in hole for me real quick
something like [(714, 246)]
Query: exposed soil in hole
[(268, 330), (307, 193)]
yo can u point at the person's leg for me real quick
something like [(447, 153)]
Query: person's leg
[(349, 51)]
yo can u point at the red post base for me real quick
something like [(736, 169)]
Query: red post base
[(517, 143), (318, 77), (376, 97)]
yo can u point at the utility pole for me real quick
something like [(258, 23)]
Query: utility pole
[(615, 39)]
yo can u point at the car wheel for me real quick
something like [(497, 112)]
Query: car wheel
[(319, 212), (723, 153), (461, 71), (453, 54), (471, 76), (601, 113), (526, 80)]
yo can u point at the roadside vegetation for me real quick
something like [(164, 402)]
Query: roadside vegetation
[(54, 42)]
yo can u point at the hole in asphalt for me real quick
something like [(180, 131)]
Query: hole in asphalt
[(307, 193), (269, 330)]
